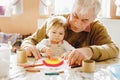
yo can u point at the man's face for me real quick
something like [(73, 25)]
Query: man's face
[(78, 21)]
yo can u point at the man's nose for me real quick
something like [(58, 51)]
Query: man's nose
[(78, 24)]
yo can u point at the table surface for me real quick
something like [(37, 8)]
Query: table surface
[(19, 73)]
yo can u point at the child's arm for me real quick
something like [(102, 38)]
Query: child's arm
[(42, 44), (67, 46)]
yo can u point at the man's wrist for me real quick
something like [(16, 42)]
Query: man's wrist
[(88, 53)]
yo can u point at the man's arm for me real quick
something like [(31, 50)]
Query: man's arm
[(103, 47), (29, 43), (35, 38)]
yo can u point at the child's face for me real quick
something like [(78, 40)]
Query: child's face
[(56, 34)]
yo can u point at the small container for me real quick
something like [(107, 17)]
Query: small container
[(21, 56), (88, 66)]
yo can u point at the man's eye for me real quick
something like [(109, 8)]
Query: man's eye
[(75, 16), (85, 20)]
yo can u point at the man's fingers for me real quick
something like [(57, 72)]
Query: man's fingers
[(72, 59), (80, 59), (33, 51), (36, 53), (28, 52), (76, 58)]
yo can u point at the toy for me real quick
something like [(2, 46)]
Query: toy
[(53, 62)]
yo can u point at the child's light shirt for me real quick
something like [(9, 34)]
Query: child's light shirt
[(58, 49)]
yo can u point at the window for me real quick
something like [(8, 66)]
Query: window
[(44, 7), (117, 4), (105, 9), (49, 7), (65, 6), (4, 8), (17, 7), (10, 7)]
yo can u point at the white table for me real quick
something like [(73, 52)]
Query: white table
[(19, 73)]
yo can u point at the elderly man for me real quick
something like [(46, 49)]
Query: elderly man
[(88, 36)]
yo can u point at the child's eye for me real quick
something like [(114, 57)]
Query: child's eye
[(53, 32), (61, 33)]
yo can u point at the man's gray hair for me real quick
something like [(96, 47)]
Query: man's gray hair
[(87, 4)]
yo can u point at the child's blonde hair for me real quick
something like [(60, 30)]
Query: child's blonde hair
[(56, 22)]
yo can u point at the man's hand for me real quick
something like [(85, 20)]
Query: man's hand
[(78, 55), (32, 50)]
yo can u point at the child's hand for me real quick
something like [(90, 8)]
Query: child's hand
[(49, 51), (65, 55)]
